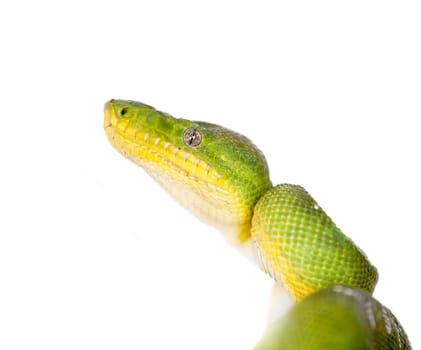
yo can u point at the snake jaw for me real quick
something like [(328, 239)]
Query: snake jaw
[(107, 115)]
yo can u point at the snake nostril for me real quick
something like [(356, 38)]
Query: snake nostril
[(123, 111)]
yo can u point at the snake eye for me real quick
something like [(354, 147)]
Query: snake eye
[(192, 137)]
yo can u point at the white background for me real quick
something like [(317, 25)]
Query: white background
[(94, 255)]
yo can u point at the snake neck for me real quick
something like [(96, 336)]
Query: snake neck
[(241, 238)]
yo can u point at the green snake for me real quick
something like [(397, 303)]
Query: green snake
[(223, 179)]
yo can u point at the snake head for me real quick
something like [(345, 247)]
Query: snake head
[(214, 172)]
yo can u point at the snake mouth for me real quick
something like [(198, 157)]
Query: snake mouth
[(109, 127), (107, 115)]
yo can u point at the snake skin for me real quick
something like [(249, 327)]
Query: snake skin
[(223, 179), (336, 318), (304, 249)]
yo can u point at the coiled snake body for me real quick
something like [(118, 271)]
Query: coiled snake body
[(223, 178)]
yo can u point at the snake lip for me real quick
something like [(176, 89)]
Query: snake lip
[(107, 116)]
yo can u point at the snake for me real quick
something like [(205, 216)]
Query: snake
[(222, 178)]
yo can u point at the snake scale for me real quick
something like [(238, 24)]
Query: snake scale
[(222, 178)]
